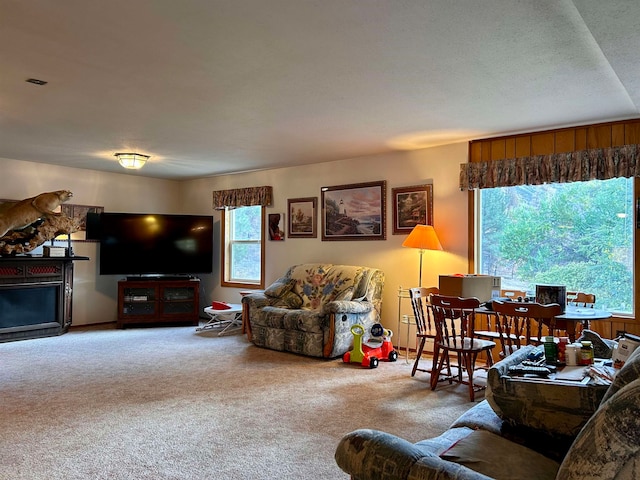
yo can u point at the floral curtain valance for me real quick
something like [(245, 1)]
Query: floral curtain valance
[(242, 197), (579, 166)]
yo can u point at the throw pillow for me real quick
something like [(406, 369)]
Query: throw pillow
[(279, 288)]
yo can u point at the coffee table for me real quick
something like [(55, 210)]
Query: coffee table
[(559, 407)]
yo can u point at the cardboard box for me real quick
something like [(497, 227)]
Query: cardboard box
[(484, 287), (48, 251), (626, 346)]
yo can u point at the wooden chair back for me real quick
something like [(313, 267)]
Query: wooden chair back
[(520, 323), (513, 294), (421, 305), (581, 299), (454, 319)]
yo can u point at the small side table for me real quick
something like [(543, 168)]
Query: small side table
[(228, 320)]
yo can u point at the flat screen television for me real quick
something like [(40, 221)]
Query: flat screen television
[(153, 244)]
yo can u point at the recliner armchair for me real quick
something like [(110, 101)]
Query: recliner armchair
[(311, 308)]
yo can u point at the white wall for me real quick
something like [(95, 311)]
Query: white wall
[(439, 166), (95, 295)]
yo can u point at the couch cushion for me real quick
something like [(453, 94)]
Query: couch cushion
[(304, 321), (318, 284), (499, 458), (288, 300), (272, 317)]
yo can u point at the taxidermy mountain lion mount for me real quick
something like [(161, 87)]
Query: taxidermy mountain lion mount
[(38, 213)]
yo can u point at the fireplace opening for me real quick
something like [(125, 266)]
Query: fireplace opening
[(29, 306)]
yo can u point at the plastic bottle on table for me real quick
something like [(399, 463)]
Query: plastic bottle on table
[(550, 350), (562, 349)]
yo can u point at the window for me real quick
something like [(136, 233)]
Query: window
[(575, 234), (243, 249)]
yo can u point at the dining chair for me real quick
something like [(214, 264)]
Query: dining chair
[(425, 328), (577, 299), (513, 294), (587, 300), (584, 300), (521, 323), (454, 319)]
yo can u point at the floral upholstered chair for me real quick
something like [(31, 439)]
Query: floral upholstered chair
[(310, 310)]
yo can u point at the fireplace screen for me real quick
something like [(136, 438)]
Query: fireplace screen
[(28, 306)]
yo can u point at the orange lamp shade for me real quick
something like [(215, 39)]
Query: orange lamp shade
[(423, 237)]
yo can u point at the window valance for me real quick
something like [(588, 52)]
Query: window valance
[(579, 166), (242, 197)]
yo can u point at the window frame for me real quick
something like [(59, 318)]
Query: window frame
[(613, 196), (225, 253), (473, 245)]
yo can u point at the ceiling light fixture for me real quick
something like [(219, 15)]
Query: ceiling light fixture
[(132, 161), (36, 81)]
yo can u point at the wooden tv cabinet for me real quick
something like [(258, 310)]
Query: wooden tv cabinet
[(158, 301)]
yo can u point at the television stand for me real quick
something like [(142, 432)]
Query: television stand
[(158, 300), (158, 278)]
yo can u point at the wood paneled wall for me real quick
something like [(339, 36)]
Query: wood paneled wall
[(602, 135)]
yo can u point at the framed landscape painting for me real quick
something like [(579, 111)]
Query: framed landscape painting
[(354, 212), (303, 217), (412, 206)]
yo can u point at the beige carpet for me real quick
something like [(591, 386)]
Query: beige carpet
[(169, 403)]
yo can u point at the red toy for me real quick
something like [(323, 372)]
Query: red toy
[(378, 347)]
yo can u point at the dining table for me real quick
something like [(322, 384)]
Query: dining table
[(584, 315)]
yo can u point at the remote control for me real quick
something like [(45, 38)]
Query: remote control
[(529, 363), (529, 369)]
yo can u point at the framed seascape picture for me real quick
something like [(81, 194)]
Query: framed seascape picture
[(354, 212), (303, 216), (412, 206)]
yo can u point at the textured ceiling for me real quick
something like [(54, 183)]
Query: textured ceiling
[(209, 87)]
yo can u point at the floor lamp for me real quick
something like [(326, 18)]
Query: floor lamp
[(423, 237)]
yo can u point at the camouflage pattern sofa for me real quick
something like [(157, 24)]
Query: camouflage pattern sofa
[(480, 445), (311, 308)]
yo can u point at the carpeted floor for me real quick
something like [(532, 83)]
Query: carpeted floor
[(170, 403)]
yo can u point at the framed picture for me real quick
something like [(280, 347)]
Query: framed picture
[(79, 212), (275, 226), (412, 206), (354, 212), (303, 217)]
